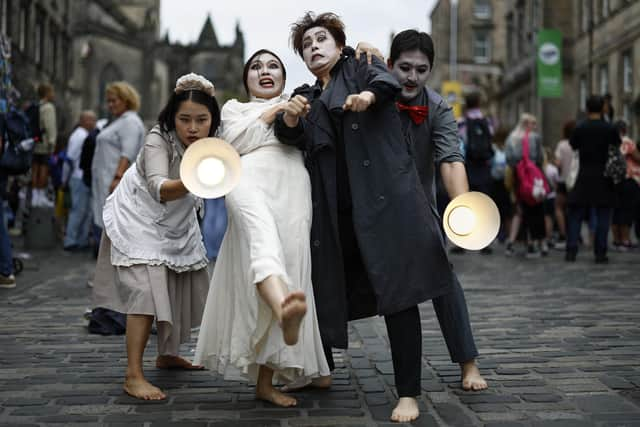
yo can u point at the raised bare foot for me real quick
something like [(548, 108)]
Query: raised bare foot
[(271, 394), (406, 410), (294, 307), (471, 378), (140, 388), (318, 382), (176, 362)]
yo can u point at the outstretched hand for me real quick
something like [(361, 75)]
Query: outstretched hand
[(369, 50), (359, 102)]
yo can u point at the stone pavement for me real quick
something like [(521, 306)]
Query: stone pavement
[(559, 343)]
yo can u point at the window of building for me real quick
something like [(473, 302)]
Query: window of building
[(22, 34), (582, 91), (604, 79), (585, 8), (4, 11), (481, 47), (604, 11), (38, 38), (482, 9), (627, 72)]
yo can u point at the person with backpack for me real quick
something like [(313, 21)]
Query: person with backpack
[(45, 132), (477, 135), (525, 156), (77, 230)]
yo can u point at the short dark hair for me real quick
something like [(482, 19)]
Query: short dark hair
[(472, 100), (44, 89), (167, 117), (247, 65), (327, 20), (408, 40), (595, 103), (567, 128)]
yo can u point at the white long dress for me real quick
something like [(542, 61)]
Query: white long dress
[(268, 234)]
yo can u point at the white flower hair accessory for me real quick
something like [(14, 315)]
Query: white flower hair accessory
[(193, 81)]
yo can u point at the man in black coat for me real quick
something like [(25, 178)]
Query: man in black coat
[(434, 142), (376, 241)]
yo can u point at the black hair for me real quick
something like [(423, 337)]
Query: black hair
[(167, 117), (472, 100), (595, 103), (247, 65), (408, 40), (621, 126), (328, 20)]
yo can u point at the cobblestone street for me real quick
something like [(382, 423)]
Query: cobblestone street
[(559, 345)]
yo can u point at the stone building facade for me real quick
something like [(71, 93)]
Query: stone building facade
[(82, 45), (600, 54)]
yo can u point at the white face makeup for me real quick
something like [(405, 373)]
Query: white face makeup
[(411, 69), (265, 78), (319, 50)]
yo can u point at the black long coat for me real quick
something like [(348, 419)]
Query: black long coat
[(396, 228)]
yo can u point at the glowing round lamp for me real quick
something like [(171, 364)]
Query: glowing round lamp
[(471, 220), (210, 168)]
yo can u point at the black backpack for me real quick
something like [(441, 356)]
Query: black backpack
[(478, 140), (86, 156)]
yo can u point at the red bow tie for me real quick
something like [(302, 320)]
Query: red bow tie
[(418, 113)]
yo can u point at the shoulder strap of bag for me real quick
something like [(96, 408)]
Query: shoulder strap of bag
[(525, 145)]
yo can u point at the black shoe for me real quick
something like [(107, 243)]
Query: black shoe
[(570, 257), (602, 259)]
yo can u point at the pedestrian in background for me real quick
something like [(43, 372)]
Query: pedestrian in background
[(628, 202), (592, 190), (563, 157), (532, 215), (152, 262), (43, 148), (7, 279), (79, 222), (117, 146)]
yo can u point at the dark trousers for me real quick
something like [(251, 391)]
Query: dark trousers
[(405, 339), (453, 318), (603, 218)]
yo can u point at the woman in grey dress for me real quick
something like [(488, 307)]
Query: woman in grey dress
[(152, 260), (117, 146)]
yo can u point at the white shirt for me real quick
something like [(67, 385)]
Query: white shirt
[(74, 149)]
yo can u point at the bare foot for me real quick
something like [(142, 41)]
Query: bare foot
[(176, 362), (471, 378), (140, 388), (406, 410), (294, 307), (318, 382), (271, 394)]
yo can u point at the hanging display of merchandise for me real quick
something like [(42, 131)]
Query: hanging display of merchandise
[(5, 73)]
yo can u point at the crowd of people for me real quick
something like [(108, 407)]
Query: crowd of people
[(334, 218), (578, 203)]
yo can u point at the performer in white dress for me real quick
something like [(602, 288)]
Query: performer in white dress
[(254, 325), (152, 261)]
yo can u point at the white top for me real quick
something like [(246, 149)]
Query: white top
[(74, 149), (144, 230), (123, 137)]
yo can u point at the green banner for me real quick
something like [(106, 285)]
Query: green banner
[(549, 61)]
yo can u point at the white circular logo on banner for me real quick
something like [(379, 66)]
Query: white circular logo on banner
[(549, 54)]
